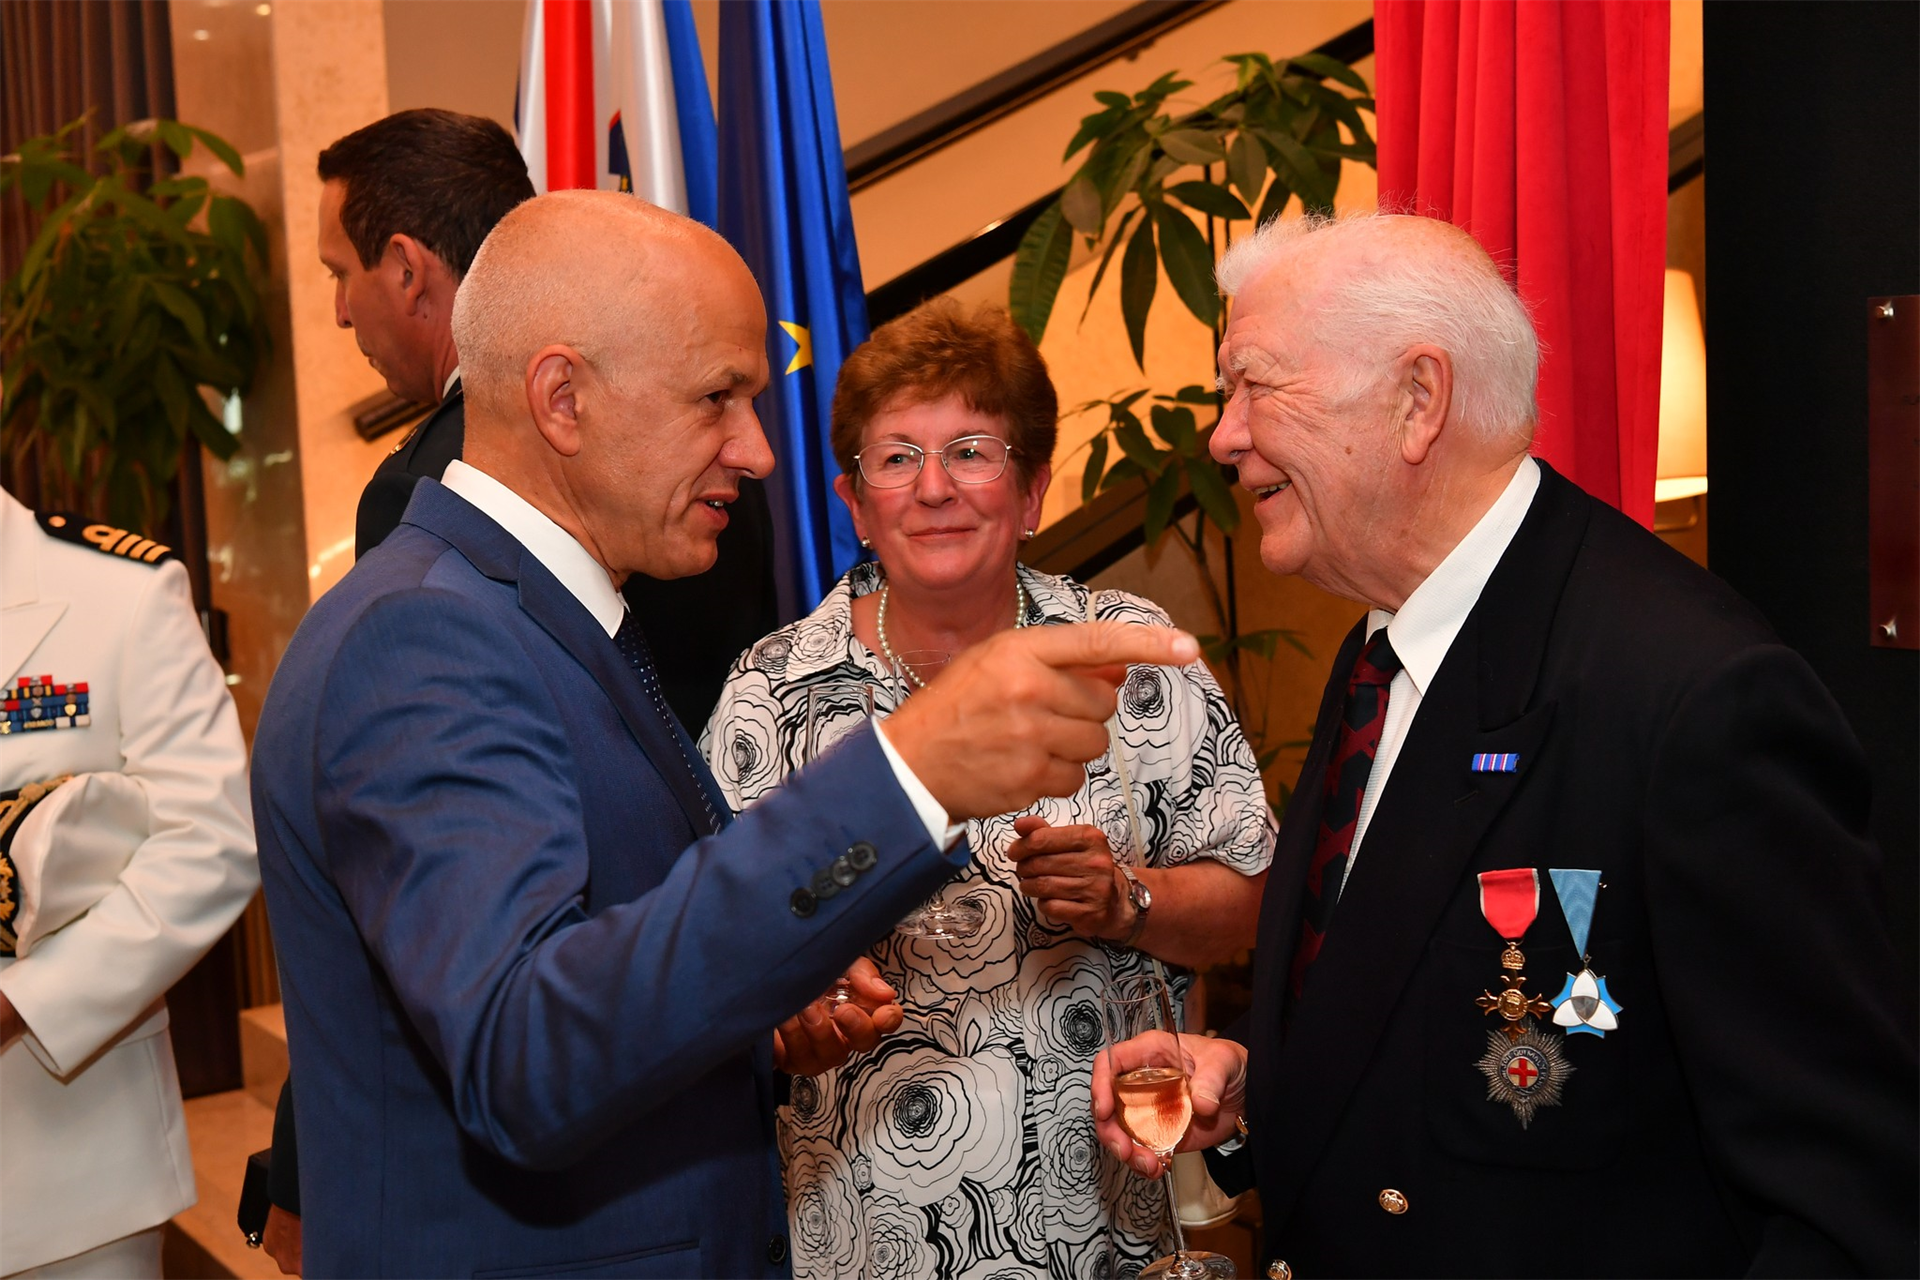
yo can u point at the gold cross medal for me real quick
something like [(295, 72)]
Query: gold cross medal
[(1524, 1069)]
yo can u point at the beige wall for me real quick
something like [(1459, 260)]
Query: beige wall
[(463, 55), (280, 81)]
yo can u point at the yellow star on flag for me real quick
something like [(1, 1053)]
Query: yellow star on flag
[(803, 338)]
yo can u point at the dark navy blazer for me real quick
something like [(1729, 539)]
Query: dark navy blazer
[(530, 1014), (1754, 1113)]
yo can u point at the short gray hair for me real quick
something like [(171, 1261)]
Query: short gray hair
[(1408, 293)]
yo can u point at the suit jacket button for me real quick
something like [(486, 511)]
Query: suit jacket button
[(843, 872), (802, 903), (777, 1250), (824, 886), (1279, 1270), (1392, 1201), (861, 856)]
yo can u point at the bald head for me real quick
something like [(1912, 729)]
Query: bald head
[(611, 352), (604, 273), (1367, 287)]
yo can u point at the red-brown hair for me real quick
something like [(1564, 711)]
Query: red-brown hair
[(937, 351)]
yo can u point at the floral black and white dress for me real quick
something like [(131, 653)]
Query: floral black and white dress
[(963, 1145)]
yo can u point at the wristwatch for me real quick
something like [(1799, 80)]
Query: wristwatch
[(1237, 1141), (1142, 899)]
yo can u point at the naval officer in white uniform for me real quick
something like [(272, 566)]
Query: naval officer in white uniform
[(114, 883)]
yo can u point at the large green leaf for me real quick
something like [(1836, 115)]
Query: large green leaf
[(1139, 279), (1360, 151), (1039, 265), (174, 393), (1214, 201), (177, 139), (51, 231), (1330, 68), (1096, 465), (1344, 109), (1211, 491), (1162, 89), (211, 431), (181, 308), (1175, 426), (1189, 263), (1080, 202), (1161, 495), (1193, 146), (1247, 166), (1100, 272), (221, 148), (1309, 181), (1132, 439), (1119, 473)]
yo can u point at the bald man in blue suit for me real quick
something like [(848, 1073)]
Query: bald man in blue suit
[(537, 987)]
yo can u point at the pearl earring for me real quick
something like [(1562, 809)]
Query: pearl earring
[(866, 544), (1026, 533)]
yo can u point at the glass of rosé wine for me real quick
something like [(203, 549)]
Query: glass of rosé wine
[(1152, 1101)]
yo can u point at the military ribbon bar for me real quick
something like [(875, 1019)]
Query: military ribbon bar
[(1496, 762)]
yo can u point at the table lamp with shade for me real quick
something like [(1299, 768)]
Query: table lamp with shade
[(1682, 467)]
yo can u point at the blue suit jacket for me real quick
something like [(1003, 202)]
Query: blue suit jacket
[(531, 1024)]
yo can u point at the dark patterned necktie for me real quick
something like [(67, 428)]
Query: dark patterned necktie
[(1361, 718), (633, 647)]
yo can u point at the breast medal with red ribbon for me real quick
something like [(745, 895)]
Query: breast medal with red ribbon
[(1524, 1069)]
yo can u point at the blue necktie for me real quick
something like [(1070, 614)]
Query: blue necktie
[(633, 647)]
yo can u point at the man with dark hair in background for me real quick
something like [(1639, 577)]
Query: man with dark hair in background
[(404, 206)]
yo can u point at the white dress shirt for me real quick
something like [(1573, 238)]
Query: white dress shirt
[(1424, 628), (592, 586)]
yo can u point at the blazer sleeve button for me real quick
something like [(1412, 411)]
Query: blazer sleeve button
[(1393, 1201), (861, 856), (843, 872), (802, 903), (824, 886), (1279, 1270)]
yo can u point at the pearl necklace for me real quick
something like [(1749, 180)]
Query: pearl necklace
[(886, 649)]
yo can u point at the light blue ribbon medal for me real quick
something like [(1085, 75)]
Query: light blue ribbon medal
[(1584, 1004)]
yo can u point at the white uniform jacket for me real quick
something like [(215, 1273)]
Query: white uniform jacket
[(95, 1143)]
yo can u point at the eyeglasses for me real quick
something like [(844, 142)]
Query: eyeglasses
[(894, 464)]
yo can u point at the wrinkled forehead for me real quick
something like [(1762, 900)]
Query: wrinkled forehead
[(1272, 317)]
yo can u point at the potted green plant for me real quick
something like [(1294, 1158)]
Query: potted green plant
[(133, 305), (1278, 136)]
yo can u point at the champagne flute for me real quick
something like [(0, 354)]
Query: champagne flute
[(1153, 1103), (938, 919)]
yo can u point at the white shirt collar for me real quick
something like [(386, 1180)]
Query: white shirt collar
[(1424, 628), (551, 545), (446, 388)]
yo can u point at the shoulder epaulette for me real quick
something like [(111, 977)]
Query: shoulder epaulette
[(104, 538)]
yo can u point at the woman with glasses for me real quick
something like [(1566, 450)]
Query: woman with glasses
[(963, 1144)]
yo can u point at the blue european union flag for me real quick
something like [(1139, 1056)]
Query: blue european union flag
[(693, 109), (783, 205)]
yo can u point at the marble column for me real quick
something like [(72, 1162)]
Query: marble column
[(280, 80)]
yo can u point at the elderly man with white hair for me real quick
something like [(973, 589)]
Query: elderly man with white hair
[(1572, 959)]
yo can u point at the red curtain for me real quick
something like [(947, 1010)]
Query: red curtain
[(1541, 128)]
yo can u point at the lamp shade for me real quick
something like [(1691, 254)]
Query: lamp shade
[(1682, 468)]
